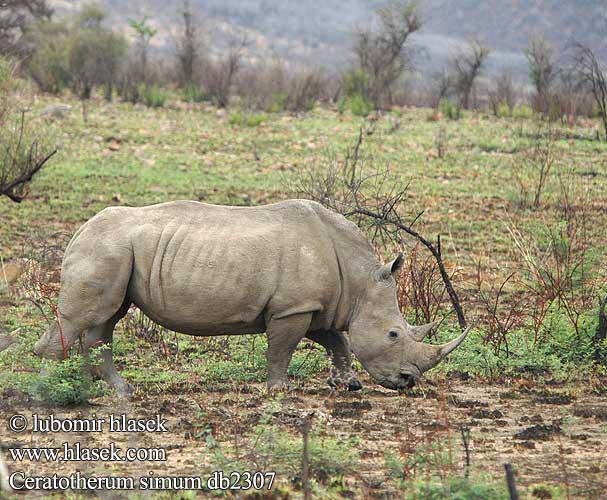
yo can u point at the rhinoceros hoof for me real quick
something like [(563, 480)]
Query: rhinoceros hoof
[(354, 385)]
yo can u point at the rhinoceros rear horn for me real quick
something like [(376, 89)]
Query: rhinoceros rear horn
[(419, 332), (435, 353), (391, 267)]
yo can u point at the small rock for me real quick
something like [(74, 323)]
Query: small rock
[(10, 272), (540, 432), (6, 341), (55, 110)]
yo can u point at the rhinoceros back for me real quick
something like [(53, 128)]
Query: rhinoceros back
[(209, 269)]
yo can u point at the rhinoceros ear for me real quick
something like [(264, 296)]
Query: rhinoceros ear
[(391, 267)]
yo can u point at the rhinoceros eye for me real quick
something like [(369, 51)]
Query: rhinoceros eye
[(392, 334)]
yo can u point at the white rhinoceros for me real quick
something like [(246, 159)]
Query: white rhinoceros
[(292, 269)]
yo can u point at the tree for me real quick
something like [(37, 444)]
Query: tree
[(467, 65), (219, 75), (187, 46), (382, 53), (543, 71), (592, 75), (15, 17), (145, 33), (95, 53)]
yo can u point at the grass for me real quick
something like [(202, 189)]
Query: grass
[(136, 155)]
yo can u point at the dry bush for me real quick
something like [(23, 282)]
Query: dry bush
[(420, 288), (219, 75), (503, 93), (558, 262), (532, 173), (371, 196), (25, 147), (502, 308)]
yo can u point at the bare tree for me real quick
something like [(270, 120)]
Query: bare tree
[(443, 85), (592, 74), (382, 54), (503, 92), (187, 45), (467, 65), (543, 70), (15, 16), (219, 75)]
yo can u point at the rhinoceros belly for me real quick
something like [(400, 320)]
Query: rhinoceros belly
[(210, 278)]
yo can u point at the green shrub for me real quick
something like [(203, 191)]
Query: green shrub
[(357, 105), (504, 110), (151, 95), (278, 103), (449, 109), (355, 91), (5, 70), (243, 119), (66, 382), (331, 459), (522, 112), (48, 63), (194, 93), (457, 488)]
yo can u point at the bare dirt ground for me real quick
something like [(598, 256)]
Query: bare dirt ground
[(551, 435)]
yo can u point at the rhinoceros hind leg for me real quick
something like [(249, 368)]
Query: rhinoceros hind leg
[(336, 344), (283, 336), (102, 336)]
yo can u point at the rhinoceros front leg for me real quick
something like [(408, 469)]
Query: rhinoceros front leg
[(283, 336), (102, 336), (338, 348)]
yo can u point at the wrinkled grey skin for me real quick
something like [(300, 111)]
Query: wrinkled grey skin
[(292, 269)]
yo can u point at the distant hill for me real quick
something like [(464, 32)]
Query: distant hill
[(319, 30)]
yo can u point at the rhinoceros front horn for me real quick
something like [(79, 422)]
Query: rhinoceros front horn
[(435, 353)]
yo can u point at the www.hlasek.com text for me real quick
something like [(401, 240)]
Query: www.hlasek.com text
[(217, 480)]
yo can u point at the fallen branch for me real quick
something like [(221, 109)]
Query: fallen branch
[(25, 178)]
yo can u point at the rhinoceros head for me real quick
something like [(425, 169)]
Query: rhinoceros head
[(389, 348)]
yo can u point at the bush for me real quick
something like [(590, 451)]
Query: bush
[(504, 110), (357, 105), (66, 383), (247, 119), (194, 93), (48, 63), (522, 112), (151, 95), (355, 94), (449, 109)]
